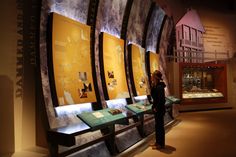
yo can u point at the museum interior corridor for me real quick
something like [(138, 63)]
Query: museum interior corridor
[(77, 77)]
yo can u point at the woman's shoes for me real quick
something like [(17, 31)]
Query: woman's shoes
[(160, 147), (157, 146)]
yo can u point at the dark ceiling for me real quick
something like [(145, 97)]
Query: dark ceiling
[(219, 5)]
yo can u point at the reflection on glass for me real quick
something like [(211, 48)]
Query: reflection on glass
[(199, 82)]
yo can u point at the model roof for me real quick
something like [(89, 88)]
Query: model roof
[(192, 20)]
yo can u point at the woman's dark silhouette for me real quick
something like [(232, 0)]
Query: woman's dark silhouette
[(158, 107)]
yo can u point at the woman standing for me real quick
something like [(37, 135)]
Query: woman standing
[(158, 107)]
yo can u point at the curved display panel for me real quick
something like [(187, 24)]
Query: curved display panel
[(138, 74), (154, 61), (70, 61), (113, 67)]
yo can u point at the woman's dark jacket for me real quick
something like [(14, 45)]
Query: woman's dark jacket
[(158, 96)]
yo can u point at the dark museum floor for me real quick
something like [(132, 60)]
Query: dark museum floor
[(197, 134)]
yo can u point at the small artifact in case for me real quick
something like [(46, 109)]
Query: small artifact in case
[(115, 111), (140, 107)]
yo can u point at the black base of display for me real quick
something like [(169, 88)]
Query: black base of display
[(205, 109)]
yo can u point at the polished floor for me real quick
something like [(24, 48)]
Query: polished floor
[(196, 134)]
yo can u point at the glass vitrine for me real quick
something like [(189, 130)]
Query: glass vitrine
[(199, 81)]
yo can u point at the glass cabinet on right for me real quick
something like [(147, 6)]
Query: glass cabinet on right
[(203, 82)]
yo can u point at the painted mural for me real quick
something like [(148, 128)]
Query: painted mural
[(75, 9), (137, 19), (154, 29), (110, 16)]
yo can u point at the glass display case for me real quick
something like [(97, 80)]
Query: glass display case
[(203, 81)]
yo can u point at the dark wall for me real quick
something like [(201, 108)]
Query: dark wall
[(7, 142)]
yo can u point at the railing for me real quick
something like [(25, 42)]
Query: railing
[(190, 56)]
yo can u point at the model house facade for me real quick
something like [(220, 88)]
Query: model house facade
[(189, 38)]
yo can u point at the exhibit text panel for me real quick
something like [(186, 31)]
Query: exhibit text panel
[(71, 59), (114, 67)]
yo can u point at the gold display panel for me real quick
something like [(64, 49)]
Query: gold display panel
[(71, 61), (154, 61), (140, 78), (114, 67)]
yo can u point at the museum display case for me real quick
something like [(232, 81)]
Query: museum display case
[(203, 82)]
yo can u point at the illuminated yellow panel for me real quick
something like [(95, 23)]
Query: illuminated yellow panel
[(72, 61), (139, 70), (154, 62), (114, 67)]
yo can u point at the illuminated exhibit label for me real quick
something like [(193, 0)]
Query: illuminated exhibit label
[(154, 61), (139, 70), (72, 61), (114, 67)]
